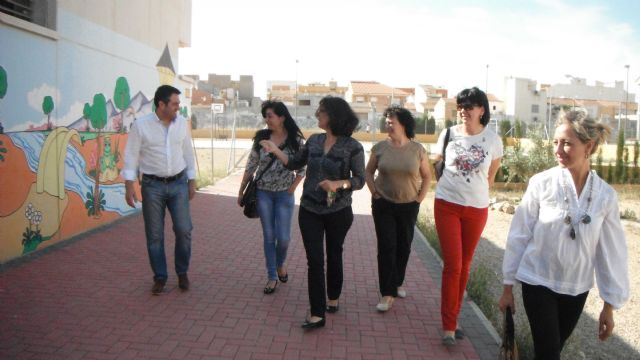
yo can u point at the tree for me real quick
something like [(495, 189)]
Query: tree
[(610, 173), (619, 154), (517, 131), (521, 166), (47, 108), (3, 89), (121, 96), (86, 114), (636, 172), (98, 121), (504, 126), (625, 160), (599, 169), (431, 125), (4, 85), (421, 124)]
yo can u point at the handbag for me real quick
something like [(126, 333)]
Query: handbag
[(508, 349), (249, 201), (440, 164)]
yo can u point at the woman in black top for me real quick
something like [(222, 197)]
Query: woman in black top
[(335, 168)]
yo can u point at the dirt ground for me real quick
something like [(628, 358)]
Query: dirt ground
[(584, 344)]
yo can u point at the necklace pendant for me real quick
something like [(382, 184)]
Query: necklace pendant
[(586, 219), (567, 220), (572, 233)]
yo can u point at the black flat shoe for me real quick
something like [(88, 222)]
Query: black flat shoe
[(313, 325), (270, 290), (284, 278), (459, 334), (332, 309)]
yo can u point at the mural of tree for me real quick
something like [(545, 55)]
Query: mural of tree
[(47, 108), (98, 116), (3, 90), (86, 114), (122, 97)]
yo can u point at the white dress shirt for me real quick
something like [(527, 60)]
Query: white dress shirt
[(540, 250), (155, 149)]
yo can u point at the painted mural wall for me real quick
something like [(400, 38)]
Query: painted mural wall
[(66, 105)]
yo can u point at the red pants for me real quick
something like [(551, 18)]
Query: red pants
[(459, 229)]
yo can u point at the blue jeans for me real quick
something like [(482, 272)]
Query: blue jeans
[(275, 209), (156, 197)]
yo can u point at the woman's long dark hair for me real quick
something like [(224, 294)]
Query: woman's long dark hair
[(294, 134)]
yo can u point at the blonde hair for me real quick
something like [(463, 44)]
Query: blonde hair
[(586, 128)]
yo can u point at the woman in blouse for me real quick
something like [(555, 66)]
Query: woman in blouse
[(335, 168), (275, 201), (401, 185), (473, 157), (566, 228)]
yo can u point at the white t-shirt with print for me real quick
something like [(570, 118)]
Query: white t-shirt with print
[(465, 180)]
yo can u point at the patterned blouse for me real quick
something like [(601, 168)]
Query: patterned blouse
[(277, 177), (344, 161)]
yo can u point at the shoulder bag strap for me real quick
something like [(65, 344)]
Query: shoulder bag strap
[(444, 148)]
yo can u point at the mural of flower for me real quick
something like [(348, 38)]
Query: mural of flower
[(32, 237)]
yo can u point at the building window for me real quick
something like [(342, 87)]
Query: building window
[(359, 99), (534, 109), (40, 12), (374, 99), (304, 102)]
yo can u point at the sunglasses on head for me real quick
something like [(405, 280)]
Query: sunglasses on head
[(467, 107)]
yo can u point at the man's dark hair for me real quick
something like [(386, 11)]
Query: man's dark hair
[(163, 93)]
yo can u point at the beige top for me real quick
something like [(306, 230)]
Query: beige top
[(398, 177)]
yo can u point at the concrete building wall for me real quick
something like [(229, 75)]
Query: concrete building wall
[(70, 92)]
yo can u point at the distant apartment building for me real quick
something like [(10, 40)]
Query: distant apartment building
[(445, 110), (530, 103), (369, 99), (426, 97), (222, 86)]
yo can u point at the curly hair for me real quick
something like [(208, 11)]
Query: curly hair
[(342, 120), (477, 97), (586, 128), (404, 117)]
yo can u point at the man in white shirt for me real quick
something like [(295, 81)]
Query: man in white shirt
[(159, 150)]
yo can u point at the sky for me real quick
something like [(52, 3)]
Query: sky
[(403, 43)]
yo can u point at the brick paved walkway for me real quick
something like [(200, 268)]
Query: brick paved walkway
[(91, 298)]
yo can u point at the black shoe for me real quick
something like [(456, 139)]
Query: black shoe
[(332, 309), (158, 286), (270, 290), (313, 325), (284, 278), (459, 334), (183, 282)]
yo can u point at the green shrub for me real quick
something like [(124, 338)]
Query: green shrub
[(521, 165)]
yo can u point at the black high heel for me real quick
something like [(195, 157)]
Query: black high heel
[(313, 325), (270, 290), (284, 278)]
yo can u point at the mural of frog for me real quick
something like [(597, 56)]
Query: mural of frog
[(109, 161)]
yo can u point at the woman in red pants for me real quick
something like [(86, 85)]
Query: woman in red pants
[(472, 158)]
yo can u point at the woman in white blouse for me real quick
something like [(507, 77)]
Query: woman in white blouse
[(566, 227)]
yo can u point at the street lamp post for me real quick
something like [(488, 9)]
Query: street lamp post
[(549, 115), (626, 102), (486, 80), (296, 107)]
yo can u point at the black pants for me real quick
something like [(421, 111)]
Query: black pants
[(394, 229), (552, 318), (313, 228)]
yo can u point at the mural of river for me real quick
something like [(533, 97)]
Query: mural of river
[(76, 178)]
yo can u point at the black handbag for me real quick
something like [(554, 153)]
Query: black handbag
[(249, 201), (440, 164), (508, 349)]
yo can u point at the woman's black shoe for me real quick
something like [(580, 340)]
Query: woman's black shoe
[(313, 325), (270, 290), (332, 309), (284, 278)]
